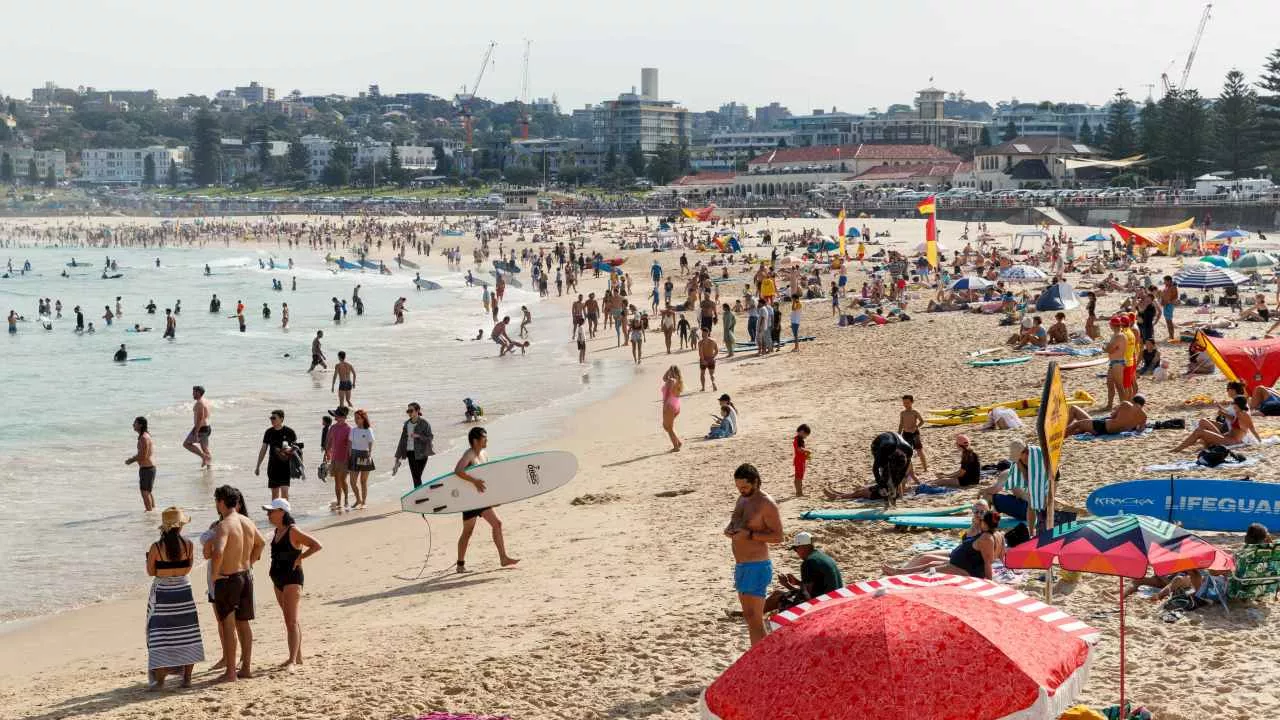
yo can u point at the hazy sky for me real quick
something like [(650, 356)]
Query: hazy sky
[(802, 53)]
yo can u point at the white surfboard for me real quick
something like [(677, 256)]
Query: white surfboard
[(506, 480)]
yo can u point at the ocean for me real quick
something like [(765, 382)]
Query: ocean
[(73, 527)]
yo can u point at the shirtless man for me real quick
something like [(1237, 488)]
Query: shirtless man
[(499, 335), (576, 317), (478, 440), (707, 351), (170, 324), (317, 355), (1168, 298), (344, 377), (237, 545), (909, 423), (146, 467), (707, 312), (197, 442), (1116, 347), (754, 524), (1129, 415), (592, 309)]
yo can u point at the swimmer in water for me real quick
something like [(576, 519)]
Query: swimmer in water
[(206, 269), (121, 354)]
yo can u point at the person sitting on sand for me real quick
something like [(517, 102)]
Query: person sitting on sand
[(1025, 334), (1149, 360), (1021, 491), (891, 464), (1198, 360), (819, 575), (1058, 331), (1128, 416), (1239, 431), (1265, 400), (1255, 534), (727, 424), (970, 471), (1258, 312), (980, 546)]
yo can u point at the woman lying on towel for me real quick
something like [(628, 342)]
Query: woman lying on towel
[(1239, 428), (981, 545)]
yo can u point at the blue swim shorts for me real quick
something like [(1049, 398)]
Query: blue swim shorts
[(752, 578), (1168, 312)]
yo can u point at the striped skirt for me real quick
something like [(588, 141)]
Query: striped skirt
[(173, 627)]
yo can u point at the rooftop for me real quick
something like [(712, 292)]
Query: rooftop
[(838, 153), (1039, 145)]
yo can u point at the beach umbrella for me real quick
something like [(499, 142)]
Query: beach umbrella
[(853, 232), (1228, 234), (1023, 274), (971, 283), (1253, 261), (1097, 237), (1203, 275), (895, 648), (823, 246), (789, 260), (1215, 260), (942, 248), (1122, 545)]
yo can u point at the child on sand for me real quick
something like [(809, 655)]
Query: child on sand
[(682, 326), (801, 456), (909, 423)]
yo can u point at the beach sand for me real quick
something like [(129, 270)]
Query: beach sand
[(618, 606)]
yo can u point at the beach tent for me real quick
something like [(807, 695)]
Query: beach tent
[(1215, 260), (852, 232), (895, 647), (1156, 236), (823, 246), (1252, 362), (1018, 237), (1097, 237), (1060, 296)]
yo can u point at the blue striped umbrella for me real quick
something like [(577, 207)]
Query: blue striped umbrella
[(1204, 275), (971, 283), (1023, 273)]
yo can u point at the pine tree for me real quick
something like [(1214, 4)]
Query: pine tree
[(1010, 132), (636, 160), (50, 179), (206, 149), (1121, 140), (149, 170), (173, 173), (1149, 130), (1186, 133), (6, 168), (33, 173), (299, 161), (985, 139), (1236, 125), (1085, 136), (395, 170), (1269, 107)]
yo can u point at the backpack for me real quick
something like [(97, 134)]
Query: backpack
[(1215, 455)]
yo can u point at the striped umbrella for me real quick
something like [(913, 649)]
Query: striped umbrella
[(971, 282), (1122, 545), (1023, 274), (1204, 275), (1253, 261), (919, 633)]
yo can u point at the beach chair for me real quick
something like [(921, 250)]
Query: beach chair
[(1257, 573)]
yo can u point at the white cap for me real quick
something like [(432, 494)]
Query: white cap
[(801, 539), (278, 504)]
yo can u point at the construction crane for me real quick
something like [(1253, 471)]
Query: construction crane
[(1191, 56), (1195, 45), (524, 95), (464, 99)]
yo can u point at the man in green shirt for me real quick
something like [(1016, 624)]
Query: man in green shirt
[(818, 576)]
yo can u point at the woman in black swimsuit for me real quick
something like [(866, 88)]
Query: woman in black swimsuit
[(289, 547)]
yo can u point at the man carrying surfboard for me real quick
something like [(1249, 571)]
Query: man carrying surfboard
[(478, 440)]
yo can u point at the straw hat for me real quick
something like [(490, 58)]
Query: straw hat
[(173, 517)]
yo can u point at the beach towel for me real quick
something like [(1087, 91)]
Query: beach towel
[(1084, 437), (933, 490), (1070, 350), (173, 627), (1185, 465), (934, 545)]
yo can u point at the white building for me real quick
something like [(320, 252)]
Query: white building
[(126, 166), (319, 149), (724, 151), (415, 158), (22, 157)]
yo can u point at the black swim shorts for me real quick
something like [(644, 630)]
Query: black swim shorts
[(146, 478)]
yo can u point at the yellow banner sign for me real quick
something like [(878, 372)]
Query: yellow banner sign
[(1051, 424)]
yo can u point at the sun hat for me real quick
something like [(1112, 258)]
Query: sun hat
[(173, 517), (1016, 448), (277, 504), (801, 539)]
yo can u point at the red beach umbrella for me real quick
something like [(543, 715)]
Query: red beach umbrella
[(924, 647), (1122, 545)]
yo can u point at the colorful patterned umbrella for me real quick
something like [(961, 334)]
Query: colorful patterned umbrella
[(905, 647), (1023, 273), (1123, 545)]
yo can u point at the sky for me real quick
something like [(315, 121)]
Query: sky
[(804, 54)]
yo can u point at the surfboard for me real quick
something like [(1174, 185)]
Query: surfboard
[(452, 233), (880, 513), (140, 359), (943, 523), (1001, 362), (427, 284), (1195, 503), (984, 351), (507, 279), (347, 265), (507, 480), (506, 266), (370, 264), (1083, 364), (407, 263)]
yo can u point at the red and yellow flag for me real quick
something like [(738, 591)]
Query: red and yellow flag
[(840, 232), (927, 206)]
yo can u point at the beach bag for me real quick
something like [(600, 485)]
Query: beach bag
[(297, 470), (1173, 424), (1215, 455)]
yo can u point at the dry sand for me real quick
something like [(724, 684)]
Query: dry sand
[(617, 609)]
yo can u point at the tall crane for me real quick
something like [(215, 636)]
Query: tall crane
[(524, 95), (1195, 45), (464, 99)]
